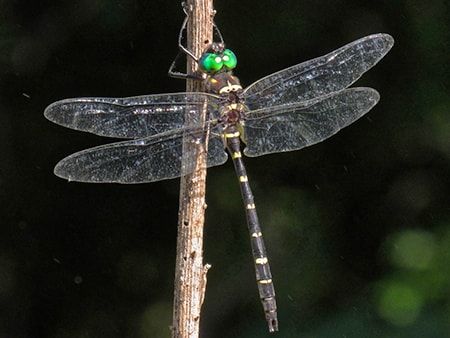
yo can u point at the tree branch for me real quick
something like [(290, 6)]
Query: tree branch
[(190, 273)]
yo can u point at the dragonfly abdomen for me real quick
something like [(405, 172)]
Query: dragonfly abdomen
[(262, 268)]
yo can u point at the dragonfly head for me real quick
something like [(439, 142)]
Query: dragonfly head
[(216, 58)]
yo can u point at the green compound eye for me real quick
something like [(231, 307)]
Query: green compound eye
[(229, 59), (210, 63)]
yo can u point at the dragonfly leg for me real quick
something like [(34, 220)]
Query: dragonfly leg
[(172, 72), (186, 51), (188, 10), (183, 51)]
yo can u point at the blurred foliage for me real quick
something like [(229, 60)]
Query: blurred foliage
[(357, 227)]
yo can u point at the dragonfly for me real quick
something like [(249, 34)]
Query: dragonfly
[(288, 110)]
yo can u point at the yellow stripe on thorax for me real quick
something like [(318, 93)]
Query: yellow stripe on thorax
[(233, 106)]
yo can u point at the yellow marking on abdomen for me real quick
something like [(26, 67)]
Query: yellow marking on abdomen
[(262, 260), (237, 154), (265, 281), (231, 135), (256, 234), (243, 179), (250, 206)]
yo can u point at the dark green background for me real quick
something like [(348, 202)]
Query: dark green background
[(357, 227)]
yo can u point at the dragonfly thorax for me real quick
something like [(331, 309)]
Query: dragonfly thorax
[(234, 113), (231, 96), (223, 83)]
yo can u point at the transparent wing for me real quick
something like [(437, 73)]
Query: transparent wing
[(131, 117), (137, 161), (294, 126), (317, 77)]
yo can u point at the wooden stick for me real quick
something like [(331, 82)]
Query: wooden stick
[(190, 272)]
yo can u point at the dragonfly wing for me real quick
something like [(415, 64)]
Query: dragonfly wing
[(137, 161), (321, 76), (294, 126), (131, 117)]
